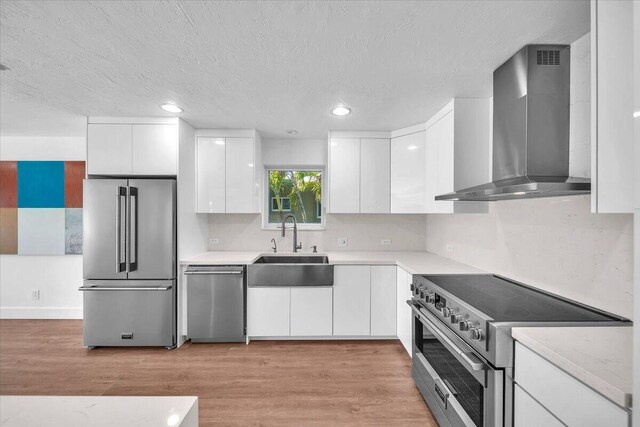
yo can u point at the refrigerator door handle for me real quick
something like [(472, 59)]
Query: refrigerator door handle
[(124, 288), (132, 263), (120, 245)]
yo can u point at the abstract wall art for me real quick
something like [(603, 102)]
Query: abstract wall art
[(41, 207)]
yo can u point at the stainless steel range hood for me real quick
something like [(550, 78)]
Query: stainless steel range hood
[(530, 129)]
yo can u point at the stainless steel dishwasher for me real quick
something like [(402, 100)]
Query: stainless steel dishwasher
[(216, 301)]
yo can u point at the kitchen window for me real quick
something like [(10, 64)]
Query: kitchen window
[(294, 191)]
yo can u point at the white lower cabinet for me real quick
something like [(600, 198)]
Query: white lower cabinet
[(529, 413), (403, 311), (351, 300), (268, 311), (569, 400), (311, 311), (383, 297)]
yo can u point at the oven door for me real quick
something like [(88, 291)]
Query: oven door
[(459, 386)]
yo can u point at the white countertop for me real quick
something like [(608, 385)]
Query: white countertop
[(98, 411), (412, 262), (601, 357)]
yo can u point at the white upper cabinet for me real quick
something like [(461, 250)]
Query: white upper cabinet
[(344, 175), (458, 153), (155, 149), (211, 175), (375, 175), (228, 171), (239, 167), (612, 82), (109, 149), (132, 146), (408, 180), (359, 172)]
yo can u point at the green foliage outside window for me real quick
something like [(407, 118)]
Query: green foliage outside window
[(303, 189)]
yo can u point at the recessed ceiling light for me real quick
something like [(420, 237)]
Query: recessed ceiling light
[(292, 132), (340, 110), (636, 114), (172, 108)]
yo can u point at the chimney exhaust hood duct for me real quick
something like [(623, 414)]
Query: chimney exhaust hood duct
[(530, 129)]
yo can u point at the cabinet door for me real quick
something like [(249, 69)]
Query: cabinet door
[(239, 175), (268, 312), (403, 311), (109, 149), (210, 172), (344, 175), (351, 300), (408, 190), (612, 127), (527, 412), (383, 300), (375, 158), (311, 311), (439, 163), (155, 149)]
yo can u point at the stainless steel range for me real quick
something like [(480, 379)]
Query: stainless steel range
[(462, 345)]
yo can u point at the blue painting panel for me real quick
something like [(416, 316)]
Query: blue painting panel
[(40, 184)]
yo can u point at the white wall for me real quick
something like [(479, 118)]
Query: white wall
[(555, 244), (56, 276), (363, 231)]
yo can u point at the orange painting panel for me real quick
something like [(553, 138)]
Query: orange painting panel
[(8, 184), (8, 230), (73, 176)]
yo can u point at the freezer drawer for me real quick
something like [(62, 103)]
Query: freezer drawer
[(215, 304), (129, 313)]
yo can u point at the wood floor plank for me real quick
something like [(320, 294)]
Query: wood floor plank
[(264, 383)]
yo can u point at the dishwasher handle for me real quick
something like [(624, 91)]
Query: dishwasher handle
[(214, 270)]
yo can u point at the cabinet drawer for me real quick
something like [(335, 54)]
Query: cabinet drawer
[(529, 413), (564, 396)]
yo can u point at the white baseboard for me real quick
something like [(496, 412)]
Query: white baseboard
[(40, 312)]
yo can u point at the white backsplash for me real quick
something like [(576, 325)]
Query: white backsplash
[(555, 244), (363, 232)]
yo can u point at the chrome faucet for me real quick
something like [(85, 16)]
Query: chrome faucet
[(296, 245), (275, 246)]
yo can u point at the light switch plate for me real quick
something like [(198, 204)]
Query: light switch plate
[(449, 247), (342, 241), (214, 241), (385, 242), (35, 294)]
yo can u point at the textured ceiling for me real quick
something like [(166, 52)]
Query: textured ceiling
[(269, 65)]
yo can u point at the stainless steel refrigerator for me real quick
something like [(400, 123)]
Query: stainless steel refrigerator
[(129, 245)]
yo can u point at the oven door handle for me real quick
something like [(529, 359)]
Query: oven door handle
[(444, 392), (472, 362)]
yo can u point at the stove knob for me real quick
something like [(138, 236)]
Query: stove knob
[(476, 334), (446, 311), (412, 287), (464, 325), (455, 318), (430, 297)]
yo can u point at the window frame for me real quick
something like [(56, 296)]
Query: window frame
[(266, 199)]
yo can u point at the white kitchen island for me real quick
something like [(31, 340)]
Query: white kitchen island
[(98, 411)]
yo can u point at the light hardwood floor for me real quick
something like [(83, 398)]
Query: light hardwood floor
[(264, 383)]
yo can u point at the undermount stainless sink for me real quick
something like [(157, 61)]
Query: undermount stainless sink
[(290, 270)]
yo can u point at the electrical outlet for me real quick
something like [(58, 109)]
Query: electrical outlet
[(214, 241), (342, 241), (35, 294), (385, 242), (449, 247)]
